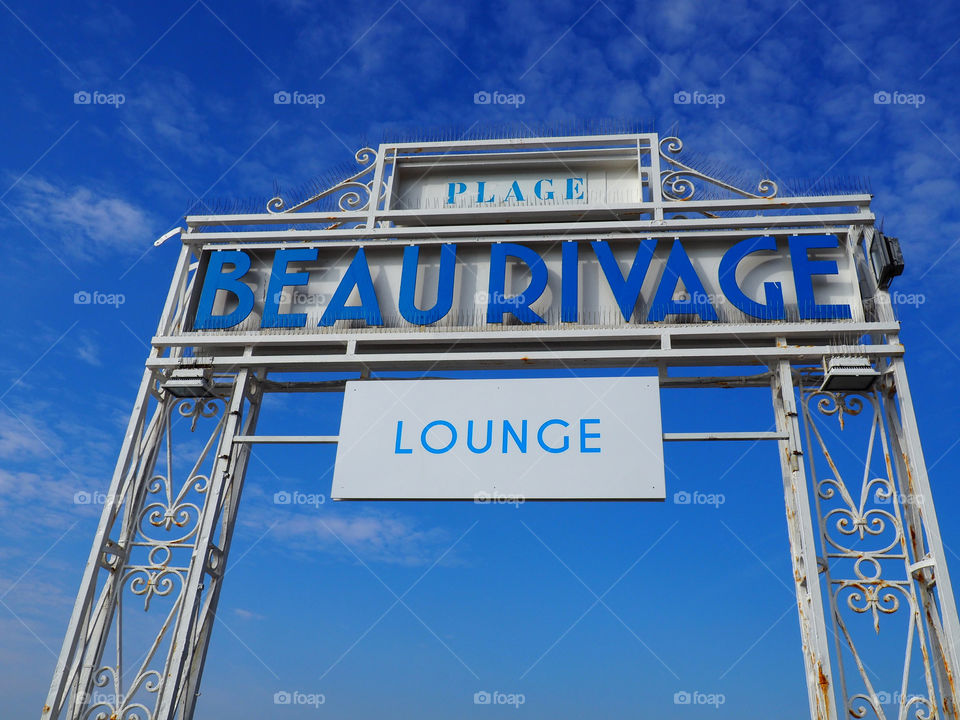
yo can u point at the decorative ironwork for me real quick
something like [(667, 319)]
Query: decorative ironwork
[(158, 521), (353, 193), (679, 184), (866, 557)]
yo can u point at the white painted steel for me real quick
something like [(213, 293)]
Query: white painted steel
[(667, 205)]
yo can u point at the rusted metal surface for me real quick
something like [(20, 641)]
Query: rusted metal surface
[(806, 576)]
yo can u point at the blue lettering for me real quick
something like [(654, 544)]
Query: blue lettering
[(538, 189), (397, 450), (625, 291), (470, 445), (357, 276), (279, 279), (680, 269), (773, 310), (408, 286), (515, 192), (508, 432), (498, 304), (566, 438), (480, 198), (454, 189), (574, 188), (803, 271), (584, 435), (570, 282), (445, 448), (216, 279)]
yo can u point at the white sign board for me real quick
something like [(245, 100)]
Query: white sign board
[(501, 440), (508, 183)]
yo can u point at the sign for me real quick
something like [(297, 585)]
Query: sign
[(504, 180), (501, 440), (715, 280)]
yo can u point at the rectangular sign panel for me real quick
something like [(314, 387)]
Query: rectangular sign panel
[(501, 440), (492, 286), (499, 184)]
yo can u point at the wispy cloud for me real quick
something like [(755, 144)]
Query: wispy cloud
[(83, 221)]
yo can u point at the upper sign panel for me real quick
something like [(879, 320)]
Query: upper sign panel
[(497, 183)]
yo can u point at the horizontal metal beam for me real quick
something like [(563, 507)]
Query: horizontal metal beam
[(693, 381), (737, 333), (697, 236), (506, 360), (288, 439), (667, 437), (559, 141), (544, 213), (487, 232), (749, 435)]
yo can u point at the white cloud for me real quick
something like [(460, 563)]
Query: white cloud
[(372, 536), (88, 351), (16, 441), (82, 221)]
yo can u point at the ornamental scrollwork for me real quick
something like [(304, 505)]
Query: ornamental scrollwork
[(678, 183), (118, 705), (865, 550), (197, 408), (354, 194), (839, 404)]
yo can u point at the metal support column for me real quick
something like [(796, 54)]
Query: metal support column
[(813, 630), (929, 570)]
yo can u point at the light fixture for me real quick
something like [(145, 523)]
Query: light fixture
[(848, 374), (189, 383), (886, 258)]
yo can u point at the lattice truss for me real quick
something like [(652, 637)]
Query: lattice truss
[(874, 558), (153, 587)]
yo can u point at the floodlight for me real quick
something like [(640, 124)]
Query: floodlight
[(189, 383), (886, 258), (848, 374)]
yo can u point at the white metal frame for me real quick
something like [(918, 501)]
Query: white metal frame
[(133, 556)]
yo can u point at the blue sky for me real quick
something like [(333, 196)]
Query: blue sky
[(701, 598)]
